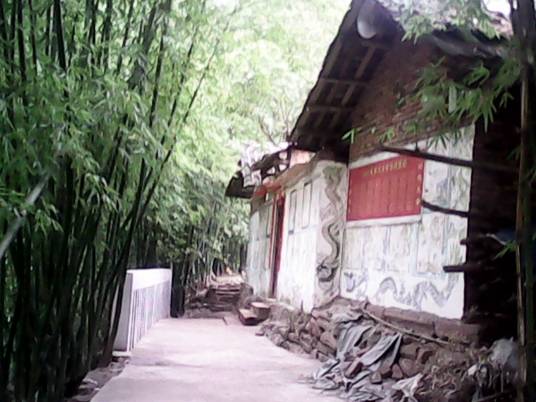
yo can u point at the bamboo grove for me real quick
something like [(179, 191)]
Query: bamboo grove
[(121, 122), (95, 95)]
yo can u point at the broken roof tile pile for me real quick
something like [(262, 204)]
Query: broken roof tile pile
[(368, 361)]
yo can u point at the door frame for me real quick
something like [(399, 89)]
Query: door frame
[(278, 214)]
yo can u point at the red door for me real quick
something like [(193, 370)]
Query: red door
[(277, 241)]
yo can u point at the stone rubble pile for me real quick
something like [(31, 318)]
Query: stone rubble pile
[(368, 361)]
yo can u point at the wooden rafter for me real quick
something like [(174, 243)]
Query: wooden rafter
[(328, 108), (365, 62), (350, 81), (348, 24)]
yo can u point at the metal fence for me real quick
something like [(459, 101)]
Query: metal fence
[(146, 299)]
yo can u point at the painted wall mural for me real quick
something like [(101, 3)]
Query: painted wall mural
[(332, 215), (399, 262)]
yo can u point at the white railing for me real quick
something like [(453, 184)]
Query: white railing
[(146, 299)]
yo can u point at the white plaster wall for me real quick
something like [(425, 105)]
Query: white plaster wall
[(258, 269), (305, 244), (398, 262), (332, 214)]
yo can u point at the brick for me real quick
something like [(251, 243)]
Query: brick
[(410, 351), (376, 378), (328, 339), (306, 346), (323, 324), (326, 350), (409, 367), (313, 328), (385, 370), (458, 331), (424, 355), (377, 311), (397, 373), (419, 322), (379, 105), (354, 368), (293, 337)]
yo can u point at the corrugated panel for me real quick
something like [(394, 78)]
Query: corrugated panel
[(389, 188)]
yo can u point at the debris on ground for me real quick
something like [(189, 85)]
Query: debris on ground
[(222, 294), (255, 314), (95, 379), (365, 360)]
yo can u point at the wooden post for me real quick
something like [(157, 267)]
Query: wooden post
[(524, 262), (524, 25)]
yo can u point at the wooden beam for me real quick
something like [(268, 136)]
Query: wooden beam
[(348, 24), (443, 210), (448, 160), (364, 62), (375, 43), (329, 108), (309, 132), (468, 267)]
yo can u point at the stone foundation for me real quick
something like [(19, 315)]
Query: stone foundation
[(440, 351)]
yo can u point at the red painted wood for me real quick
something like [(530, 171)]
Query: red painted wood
[(277, 235), (389, 188)]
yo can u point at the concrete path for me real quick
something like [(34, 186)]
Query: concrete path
[(205, 360)]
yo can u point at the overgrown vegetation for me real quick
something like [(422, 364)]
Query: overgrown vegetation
[(120, 124)]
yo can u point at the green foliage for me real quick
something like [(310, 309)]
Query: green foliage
[(132, 113), (475, 96), (420, 17)]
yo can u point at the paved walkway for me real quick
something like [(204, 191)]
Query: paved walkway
[(205, 360)]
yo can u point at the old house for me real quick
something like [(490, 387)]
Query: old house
[(397, 216)]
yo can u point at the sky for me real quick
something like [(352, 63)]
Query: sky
[(494, 5), (498, 5)]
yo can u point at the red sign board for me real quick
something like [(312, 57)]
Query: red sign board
[(389, 188)]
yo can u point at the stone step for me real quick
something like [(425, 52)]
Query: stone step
[(262, 310), (248, 317)]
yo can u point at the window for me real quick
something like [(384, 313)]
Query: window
[(292, 211), (306, 204), (389, 188)]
